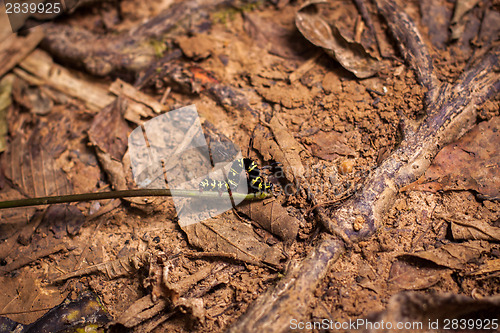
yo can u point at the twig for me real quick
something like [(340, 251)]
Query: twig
[(128, 194)]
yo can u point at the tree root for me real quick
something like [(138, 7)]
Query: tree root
[(451, 111)]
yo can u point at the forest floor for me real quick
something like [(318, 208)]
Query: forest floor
[(67, 134)]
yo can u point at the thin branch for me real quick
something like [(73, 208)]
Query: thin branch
[(128, 194)]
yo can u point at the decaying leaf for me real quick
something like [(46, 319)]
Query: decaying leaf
[(350, 54), (33, 170), (109, 130), (270, 35), (452, 255), (489, 266), (291, 150), (112, 269), (471, 163), (436, 16), (408, 276), (465, 227), (64, 219), (33, 98), (272, 217), (330, 145), (232, 238), (5, 102)]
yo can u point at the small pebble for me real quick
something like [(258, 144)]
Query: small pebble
[(346, 166)]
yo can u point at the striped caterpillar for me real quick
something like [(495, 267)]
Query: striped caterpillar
[(255, 180)]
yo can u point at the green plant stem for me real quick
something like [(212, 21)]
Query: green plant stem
[(128, 194)]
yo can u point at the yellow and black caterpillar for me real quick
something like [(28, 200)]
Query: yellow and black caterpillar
[(255, 180)]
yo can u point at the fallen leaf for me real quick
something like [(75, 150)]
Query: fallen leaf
[(330, 145), (272, 217), (109, 130), (33, 170), (64, 219), (233, 238), (452, 255), (467, 228), (290, 148), (270, 35), (5, 103), (471, 163), (489, 266), (436, 17), (409, 276), (350, 54)]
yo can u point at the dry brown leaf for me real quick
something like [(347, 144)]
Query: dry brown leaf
[(270, 35), (5, 102), (489, 266), (407, 276), (471, 163), (466, 228), (291, 149), (350, 54), (452, 255), (330, 145), (436, 16), (232, 238), (64, 219), (33, 170), (272, 217), (109, 130)]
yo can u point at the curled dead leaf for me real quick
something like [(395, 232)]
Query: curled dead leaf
[(465, 227), (452, 255), (272, 217), (407, 276), (350, 54), (232, 238), (471, 163)]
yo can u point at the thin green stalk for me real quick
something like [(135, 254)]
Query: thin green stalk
[(128, 194)]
